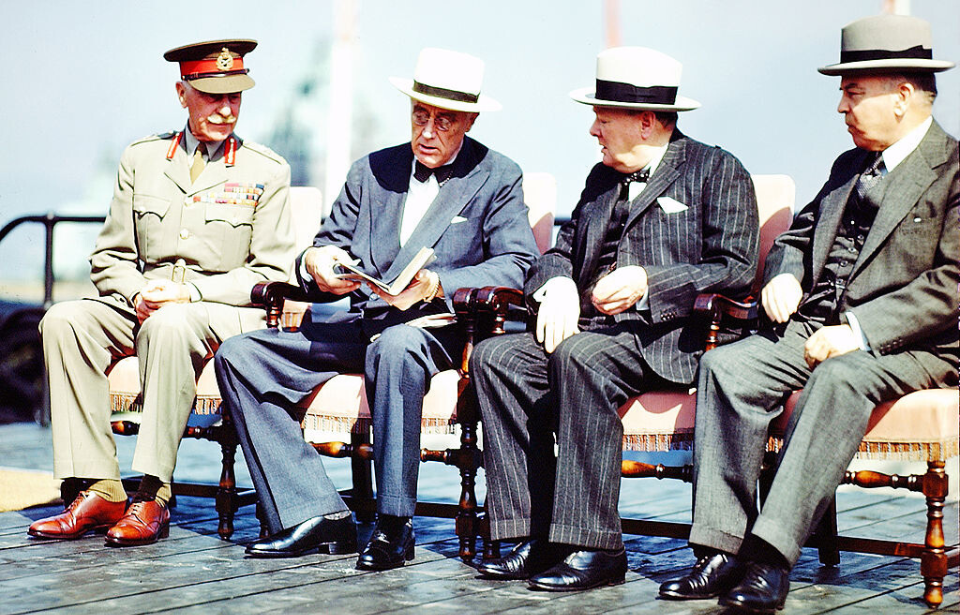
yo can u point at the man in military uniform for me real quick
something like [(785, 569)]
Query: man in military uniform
[(197, 218)]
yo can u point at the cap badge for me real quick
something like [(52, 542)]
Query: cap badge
[(225, 60)]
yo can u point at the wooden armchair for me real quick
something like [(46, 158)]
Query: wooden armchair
[(205, 421), (340, 405), (924, 426)]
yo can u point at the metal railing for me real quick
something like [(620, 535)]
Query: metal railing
[(49, 221)]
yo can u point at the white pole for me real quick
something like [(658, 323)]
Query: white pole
[(340, 109), (896, 7)]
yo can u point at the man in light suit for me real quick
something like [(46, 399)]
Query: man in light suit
[(862, 295), (660, 220), (441, 190), (197, 218)]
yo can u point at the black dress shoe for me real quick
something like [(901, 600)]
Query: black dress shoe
[(763, 589), (583, 570), (530, 557), (390, 545), (711, 576), (316, 535)]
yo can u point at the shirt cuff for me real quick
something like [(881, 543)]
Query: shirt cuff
[(854, 325)]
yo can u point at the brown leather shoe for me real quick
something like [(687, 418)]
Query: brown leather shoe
[(144, 523), (88, 512)]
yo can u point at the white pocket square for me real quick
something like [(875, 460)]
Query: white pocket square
[(670, 206), (457, 219)]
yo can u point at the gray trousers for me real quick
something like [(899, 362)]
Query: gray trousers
[(526, 396), (264, 374), (741, 389), (80, 341)]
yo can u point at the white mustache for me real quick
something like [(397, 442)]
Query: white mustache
[(219, 119)]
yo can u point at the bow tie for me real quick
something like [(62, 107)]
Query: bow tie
[(643, 175), (422, 172)]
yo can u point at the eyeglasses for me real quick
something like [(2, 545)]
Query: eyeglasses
[(440, 122)]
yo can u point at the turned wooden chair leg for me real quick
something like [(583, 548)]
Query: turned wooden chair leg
[(226, 500), (933, 562), (468, 461), (362, 480), (825, 535)]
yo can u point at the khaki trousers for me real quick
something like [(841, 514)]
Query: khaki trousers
[(81, 339)]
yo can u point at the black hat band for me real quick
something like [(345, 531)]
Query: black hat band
[(916, 53), (629, 93), (429, 90)]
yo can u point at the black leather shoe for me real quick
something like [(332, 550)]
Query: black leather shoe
[(316, 535), (530, 557), (711, 576), (583, 570), (763, 589), (390, 545)]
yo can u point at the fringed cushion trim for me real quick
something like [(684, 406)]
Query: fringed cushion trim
[(662, 442), (131, 403), (341, 424), (897, 451)]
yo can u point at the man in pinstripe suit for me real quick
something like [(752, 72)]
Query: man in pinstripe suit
[(662, 219)]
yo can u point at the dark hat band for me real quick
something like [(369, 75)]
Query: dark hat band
[(429, 90), (917, 53), (629, 93)]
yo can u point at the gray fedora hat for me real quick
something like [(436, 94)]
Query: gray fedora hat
[(886, 43)]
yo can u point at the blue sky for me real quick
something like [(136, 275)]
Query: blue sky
[(83, 79)]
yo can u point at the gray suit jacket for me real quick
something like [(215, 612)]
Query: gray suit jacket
[(903, 287), (477, 226), (711, 246)]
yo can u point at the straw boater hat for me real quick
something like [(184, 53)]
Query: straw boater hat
[(636, 78), (214, 67), (886, 43), (449, 80)]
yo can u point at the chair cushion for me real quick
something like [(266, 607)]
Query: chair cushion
[(659, 421), (340, 405), (921, 426), (924, 425), (126, 405)]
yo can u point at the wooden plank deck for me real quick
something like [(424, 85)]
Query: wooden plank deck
[(193, 571)]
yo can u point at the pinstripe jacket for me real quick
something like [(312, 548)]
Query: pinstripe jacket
[(711, 246)]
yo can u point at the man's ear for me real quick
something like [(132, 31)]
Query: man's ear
[(181, 94), (469, 120)]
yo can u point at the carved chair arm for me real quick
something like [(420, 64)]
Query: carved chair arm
[(715, 309), (271, 295)]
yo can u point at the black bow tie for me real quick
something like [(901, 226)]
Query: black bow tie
[(643, 175), (422, 172)]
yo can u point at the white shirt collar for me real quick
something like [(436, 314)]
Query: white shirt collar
[(896, 153)]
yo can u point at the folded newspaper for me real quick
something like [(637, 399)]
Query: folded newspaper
[(349, 271)]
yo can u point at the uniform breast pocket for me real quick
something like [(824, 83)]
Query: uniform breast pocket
[(228, 231), (149, 213)]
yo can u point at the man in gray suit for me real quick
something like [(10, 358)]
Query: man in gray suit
[(441, 190), (862, 295), (661, 219)]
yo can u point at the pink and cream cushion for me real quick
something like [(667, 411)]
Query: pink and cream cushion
[(923, 426), (126, 405)]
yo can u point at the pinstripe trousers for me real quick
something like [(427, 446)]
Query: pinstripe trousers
[(527, 398)]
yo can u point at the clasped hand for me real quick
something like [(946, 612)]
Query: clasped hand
[(419, 289), (158, 293), (828, 342), (619, 290)]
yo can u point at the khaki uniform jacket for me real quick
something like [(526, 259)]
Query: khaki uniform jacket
[(232, 228)]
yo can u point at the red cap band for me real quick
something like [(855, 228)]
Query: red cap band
[(216, 66)]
